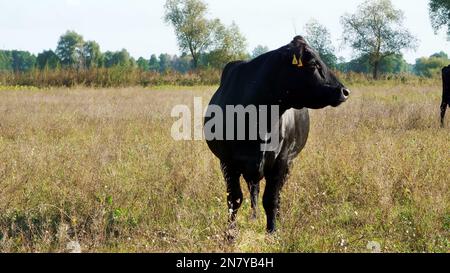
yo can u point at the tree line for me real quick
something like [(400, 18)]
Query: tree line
[(375, 32), (72, 52), (376, 40)]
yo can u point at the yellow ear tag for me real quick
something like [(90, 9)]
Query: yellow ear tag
[(294, 60), (300, 64)]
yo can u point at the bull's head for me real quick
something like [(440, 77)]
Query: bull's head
[(305, 79)]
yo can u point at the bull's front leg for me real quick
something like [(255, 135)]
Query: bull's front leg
[(234, 192), (271, 198)]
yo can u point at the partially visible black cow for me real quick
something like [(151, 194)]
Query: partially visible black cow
[(293, 77), (445, 92)]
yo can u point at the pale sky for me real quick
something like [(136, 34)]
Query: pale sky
[(137, 25)]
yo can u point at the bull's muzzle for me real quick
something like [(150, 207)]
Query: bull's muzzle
[(345, 93)]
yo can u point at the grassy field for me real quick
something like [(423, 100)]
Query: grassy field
[(98, 166)]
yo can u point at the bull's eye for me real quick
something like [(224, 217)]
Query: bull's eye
[(319, 68), (312, 64)]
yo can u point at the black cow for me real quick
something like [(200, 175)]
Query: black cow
[(445, 92), (292, 77)]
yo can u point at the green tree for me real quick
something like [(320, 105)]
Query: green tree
[(5, 60), (143, 64), (431, 66), (395, 64), (108, 59), (319, 38), (392, 64), (123, 58), (47, 59), (119, 58), (165, 62), (22, 61), (91, 54), (441, 54), (376, 30), (440, 15), (192, 29), (153, 64), (69, 49), (16, 60), (259, 50), (359, 65), (229, 45), (183, 63)]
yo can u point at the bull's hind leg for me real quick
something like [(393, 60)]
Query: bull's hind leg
[(253, 188), (443, 109), (234, 192), (275, 179), (254, 193)]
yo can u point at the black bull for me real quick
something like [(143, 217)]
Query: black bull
[(445, 92), (292, 77)]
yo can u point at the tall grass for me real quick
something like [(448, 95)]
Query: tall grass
[(124, 77), (107, 77), (98, 166), (361, 79)]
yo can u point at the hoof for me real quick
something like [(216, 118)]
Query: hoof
[(231, 235), (271, 229), (232, 232)]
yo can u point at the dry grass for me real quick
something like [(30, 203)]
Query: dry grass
[(98, 166)]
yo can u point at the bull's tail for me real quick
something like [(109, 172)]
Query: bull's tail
[(444, 106)]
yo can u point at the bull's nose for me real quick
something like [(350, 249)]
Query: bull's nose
[(345, 93)]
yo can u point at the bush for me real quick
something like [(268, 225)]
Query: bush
[(107, 77)]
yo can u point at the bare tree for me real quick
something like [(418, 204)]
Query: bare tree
[(194, 32), (376, 30)]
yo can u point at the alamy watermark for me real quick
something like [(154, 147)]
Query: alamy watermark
[(233, 122)]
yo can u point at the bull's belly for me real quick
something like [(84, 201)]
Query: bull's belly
[(250, 160)]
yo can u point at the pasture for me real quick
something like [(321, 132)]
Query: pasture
[(99, 166)]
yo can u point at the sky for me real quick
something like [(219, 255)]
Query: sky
[(138, 25)]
